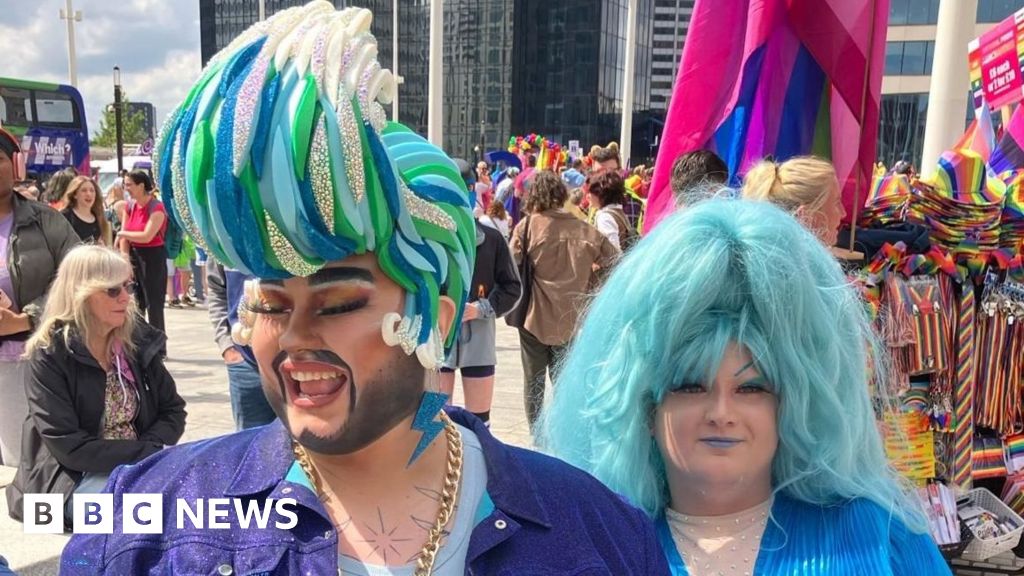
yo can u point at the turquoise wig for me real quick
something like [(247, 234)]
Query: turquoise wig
[(281, 160), (727, 271)]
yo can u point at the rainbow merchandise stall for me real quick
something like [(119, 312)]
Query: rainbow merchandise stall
[(951, 316)]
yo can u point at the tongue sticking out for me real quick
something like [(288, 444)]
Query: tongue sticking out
[(321, 387)]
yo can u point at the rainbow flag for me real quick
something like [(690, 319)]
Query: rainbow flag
[(980, 135), (1009, 152), (779, 78)]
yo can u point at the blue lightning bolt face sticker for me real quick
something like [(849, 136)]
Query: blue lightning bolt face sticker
[(427, 421)]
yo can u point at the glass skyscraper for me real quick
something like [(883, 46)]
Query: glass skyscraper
[(510, 66), (569, 68)]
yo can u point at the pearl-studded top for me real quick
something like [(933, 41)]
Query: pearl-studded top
[(719, 545)]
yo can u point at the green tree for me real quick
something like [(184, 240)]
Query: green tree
[(132, 126)]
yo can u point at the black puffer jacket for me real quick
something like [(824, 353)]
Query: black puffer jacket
[(40, 238), (66, 392)]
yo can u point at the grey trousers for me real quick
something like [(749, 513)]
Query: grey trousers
[(13, 410), (539, 360)]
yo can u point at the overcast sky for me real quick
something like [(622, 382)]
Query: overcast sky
[(155, 42)]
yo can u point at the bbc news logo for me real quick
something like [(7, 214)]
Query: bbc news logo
[(144, 514)]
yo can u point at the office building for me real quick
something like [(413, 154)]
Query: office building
[(671, 22), (909, 50), (510, 66)]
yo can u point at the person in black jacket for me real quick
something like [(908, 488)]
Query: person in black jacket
[(495, 290), (99, 395), (33, 240)]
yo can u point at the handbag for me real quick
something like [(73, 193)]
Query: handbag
[(517, 316)]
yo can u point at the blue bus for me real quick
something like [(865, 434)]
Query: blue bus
[(50, 121)]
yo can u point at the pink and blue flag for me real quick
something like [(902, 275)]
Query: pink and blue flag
[(1009, 152), (777, 78)]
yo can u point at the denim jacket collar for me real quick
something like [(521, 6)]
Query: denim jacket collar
[(509, 486), (265, 464)]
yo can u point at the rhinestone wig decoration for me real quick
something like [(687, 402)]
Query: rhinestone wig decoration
[(281, 159)]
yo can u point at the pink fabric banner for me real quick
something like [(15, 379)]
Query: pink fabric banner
[(845, 37), (716, 46)]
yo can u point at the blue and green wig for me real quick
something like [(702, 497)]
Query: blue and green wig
[(281, 160), (721, 272)]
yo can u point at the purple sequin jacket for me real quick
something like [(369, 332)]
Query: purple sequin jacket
[(548, 518)]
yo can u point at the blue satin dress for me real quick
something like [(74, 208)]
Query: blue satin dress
[(851, 539)]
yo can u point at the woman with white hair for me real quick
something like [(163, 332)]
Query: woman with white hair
[(98, 394)]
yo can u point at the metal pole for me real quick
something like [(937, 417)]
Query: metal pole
[(626, 137), (118, 128), (394, 58), (263, 10), (68, 13), (483, 128), (435, 97)]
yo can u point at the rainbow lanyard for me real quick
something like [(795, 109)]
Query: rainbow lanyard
[(1000, 368), (1012, 423), (991, 387)]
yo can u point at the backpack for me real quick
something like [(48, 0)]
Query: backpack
[(173, 237), (628, 236)]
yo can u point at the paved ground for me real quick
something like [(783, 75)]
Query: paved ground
[(202, 381)]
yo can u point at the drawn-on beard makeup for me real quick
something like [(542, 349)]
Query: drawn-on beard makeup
[(375, 406)]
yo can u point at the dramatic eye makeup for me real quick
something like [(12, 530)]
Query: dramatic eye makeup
[(690, 388), (335, 291), (753, 386), (269, 303), (757, 385), (341, 301)]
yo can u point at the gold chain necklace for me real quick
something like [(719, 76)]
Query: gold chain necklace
[(449, 492)]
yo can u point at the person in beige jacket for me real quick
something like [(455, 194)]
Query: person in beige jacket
[(565, 253)]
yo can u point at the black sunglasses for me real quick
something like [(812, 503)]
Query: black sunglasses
[(128, 287)]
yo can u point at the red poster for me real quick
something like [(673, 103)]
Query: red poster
[(1000, 65)]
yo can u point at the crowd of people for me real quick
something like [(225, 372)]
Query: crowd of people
[(82, 284), (83, 385), (574, 223), (709, 412)]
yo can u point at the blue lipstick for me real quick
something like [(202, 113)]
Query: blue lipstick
[(719, 442)]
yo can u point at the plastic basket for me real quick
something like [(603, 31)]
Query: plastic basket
[(980, 549)]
